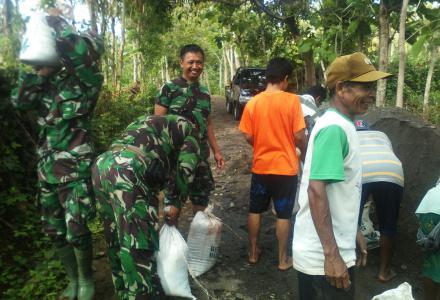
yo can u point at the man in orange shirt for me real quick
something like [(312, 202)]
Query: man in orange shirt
[(273, 124)]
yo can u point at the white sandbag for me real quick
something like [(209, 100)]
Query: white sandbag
[(38, 47), (172, 265), (203, 242), (402, 292)]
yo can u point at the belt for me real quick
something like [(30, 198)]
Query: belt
[(136, 150)]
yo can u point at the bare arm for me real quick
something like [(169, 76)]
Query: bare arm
[(214, 146), (301, 142), (160, 110), (334, 267)]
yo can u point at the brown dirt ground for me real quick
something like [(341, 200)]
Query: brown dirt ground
[(234, 278)]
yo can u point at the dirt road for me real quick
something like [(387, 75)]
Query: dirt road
[(233, 277)]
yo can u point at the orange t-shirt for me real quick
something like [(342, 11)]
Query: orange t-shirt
[(272, 118)]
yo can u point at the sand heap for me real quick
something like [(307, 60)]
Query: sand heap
[(417, 144)]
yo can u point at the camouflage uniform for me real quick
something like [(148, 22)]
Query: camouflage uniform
[(126, 180), (64, 103), (192, 101)]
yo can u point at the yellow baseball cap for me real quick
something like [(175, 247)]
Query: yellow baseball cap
[(354, 67)]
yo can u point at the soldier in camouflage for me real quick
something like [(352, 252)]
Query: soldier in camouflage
[(64, 98), (127, 180), (186, 97)]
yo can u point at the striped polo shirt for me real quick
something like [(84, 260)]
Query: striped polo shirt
[(379, 163)]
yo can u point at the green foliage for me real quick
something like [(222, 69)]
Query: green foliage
[(25, 272), (415, 79), (114, 112)]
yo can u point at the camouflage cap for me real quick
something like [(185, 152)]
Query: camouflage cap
[(355, 67)]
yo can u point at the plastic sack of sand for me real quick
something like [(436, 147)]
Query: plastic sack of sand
[(203, 242), (402, 292), (172, 266), (38, 47)]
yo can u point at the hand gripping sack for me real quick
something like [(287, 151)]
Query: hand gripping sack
[(203, 242), (172, 265), (38, 47)]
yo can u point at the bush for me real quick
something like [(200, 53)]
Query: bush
[(114, 112)]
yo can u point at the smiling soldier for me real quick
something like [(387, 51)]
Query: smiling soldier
[(186, 97), (324, 243)]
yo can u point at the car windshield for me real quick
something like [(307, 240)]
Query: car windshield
[(253, 78)]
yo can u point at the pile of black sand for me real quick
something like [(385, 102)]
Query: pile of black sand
[(417, 144)]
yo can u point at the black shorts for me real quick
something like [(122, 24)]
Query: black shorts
[(386, 197), (316, 287), (280, 188)]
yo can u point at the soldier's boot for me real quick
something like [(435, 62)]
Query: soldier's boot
[(86, 284), (68, 259)]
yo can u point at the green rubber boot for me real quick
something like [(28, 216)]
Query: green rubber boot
[(86, 284), (68, 259)]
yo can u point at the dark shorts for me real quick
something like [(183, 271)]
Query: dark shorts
[(316, 287), (386, 197), (280, 188)]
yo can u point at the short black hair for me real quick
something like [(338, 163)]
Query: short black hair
[(191, 48), (277, 69), (317, 91)]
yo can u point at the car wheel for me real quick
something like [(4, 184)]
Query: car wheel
[(237, 112), (229, 107)]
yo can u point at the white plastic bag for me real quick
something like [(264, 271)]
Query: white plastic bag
[(203, 242), (38, 47), (402, 292), (172, 265)]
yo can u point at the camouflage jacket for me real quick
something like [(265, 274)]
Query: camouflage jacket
[(190, 100), (170, 145), (64, 103)]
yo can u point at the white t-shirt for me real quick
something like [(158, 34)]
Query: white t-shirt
[(332, 156)]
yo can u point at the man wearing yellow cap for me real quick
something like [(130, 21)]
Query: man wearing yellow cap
[(326, 231)]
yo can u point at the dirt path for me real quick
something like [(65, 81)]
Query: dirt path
[(233, 277)]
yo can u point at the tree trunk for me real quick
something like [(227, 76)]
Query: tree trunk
[(7, 16), (206, 79), (402, 54), (162, 73), (309, 66), (103, 14), (434, 56), (228, 54), (232, 61), (121, 51), (92, 10), (263, 44), (135, 68), (384, 41), (113, 50), (167, 73), (237, 59), (225, 67)]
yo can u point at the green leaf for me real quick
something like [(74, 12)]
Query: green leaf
[(418, 46), (353, 26)]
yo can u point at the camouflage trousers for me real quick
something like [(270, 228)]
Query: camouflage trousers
[(66, 208), (203, 184), (128, 208)]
